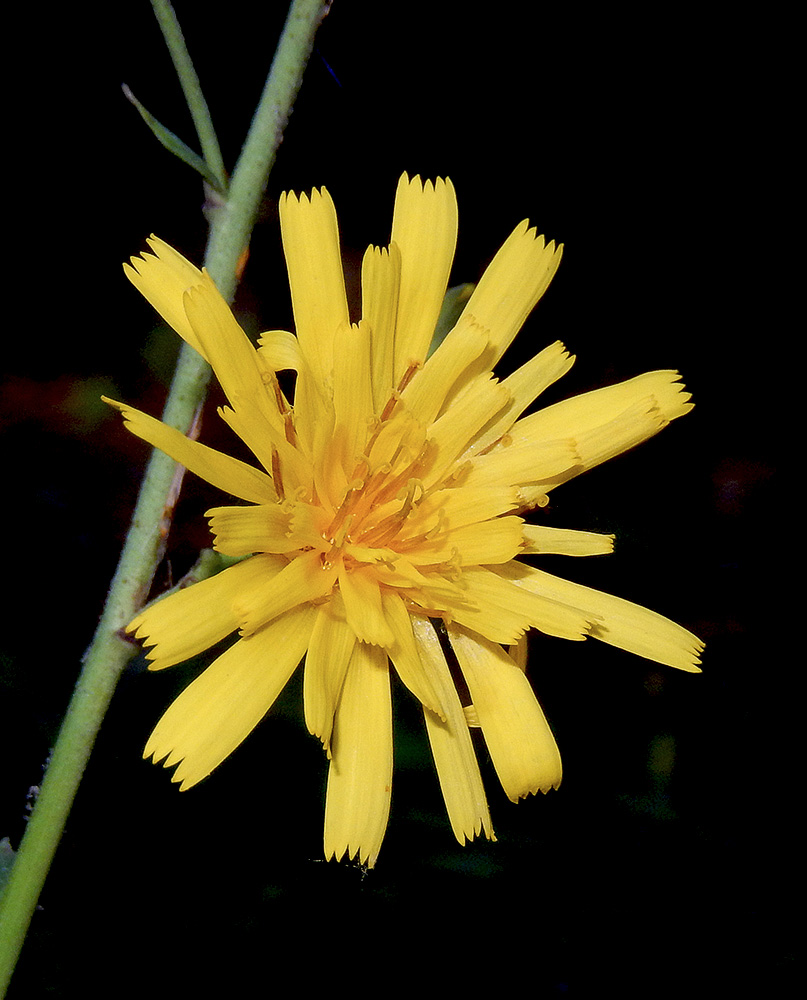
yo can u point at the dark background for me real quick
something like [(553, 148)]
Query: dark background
[(665, 859)]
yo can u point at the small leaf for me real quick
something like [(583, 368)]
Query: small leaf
[(172, 142)]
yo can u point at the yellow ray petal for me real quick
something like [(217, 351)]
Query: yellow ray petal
[(188, 621), (543, 461), (380, 285), (329, 653), (424, 226), (308, 525), (468, 413), (162, 278), (313, 413), (360, 776), (304, 579), (457, 507), (218, 710), (605, 422), (311, 244), (488, 542), (616, 621), (270, 448), (592, 409), (222, 471), (240, 531), (498, 611), (352, 390), (280, 350), (512, 284), (454, 757), (437, 380), (416, 674), (496, 541), (233, 358), (565, 541), (365, 614), (524, 386), (517, 734)]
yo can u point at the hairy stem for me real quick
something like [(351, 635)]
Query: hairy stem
[(109, 652)]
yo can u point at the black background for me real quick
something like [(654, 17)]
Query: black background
[(664, 859)]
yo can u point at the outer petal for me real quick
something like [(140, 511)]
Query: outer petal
[(416, 673), (520, 741), (565, 541), (453, 432), (496, 541), (590, 410), (500, 613), (280, 350), (524, 386), (453, 751), (162, 278), (616, 621), (218, 710), (360, 777), (380, 286), (288, 466), (424, 226), (460, 507), (605, 422), (442, 373), (329, 652), (228, 474), (303, 580), (540, 461), (513, 283), (189, 621), (314, 261), (352, 391), (362, 597), (241, 531), (237, 365)]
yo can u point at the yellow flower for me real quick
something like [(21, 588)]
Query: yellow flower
[(387, 499)]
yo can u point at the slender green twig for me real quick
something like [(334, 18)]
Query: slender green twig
[(192, 89), (109, 651), (175, 145), (265, 132)]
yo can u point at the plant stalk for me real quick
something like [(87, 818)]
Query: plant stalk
[(110, 651)]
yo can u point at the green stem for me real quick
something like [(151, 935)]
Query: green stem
[(192, 89), (109, 652), (266, 131)]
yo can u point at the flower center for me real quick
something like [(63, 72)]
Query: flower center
[(386, 488)]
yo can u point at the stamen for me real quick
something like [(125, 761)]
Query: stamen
[(339, 538), (429, 612), (406, 378), (276, 476), (269, 378), (452, 568), (387, 529), (288, 427), (408, 375), (346, 508), (386, 413), (426, 536), (409, 501)]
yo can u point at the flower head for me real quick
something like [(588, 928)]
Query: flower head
[(387, 498)]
